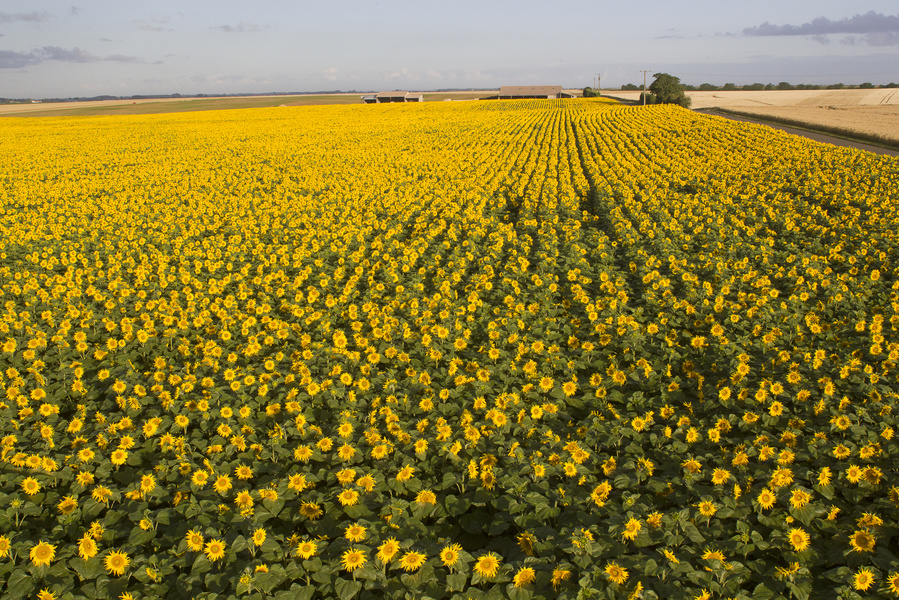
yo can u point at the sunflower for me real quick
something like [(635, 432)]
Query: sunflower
[(366, 482), (244, 500), (854, 473), (713, 555), (194, 540), (147, 484), (352, 559), (406, 473), (355, 533), (348, 497), (524, 576), (387, 550), (412, 561), (426, 497), (798, 538), (799, 498), (559, 575), (42, 554), (616, 573), (631, 529), (862, 541), (346, 476), (116, 562), (5, 545), (863, 580), (67, 505), (30, 486), (199, 478), (259, 536), (222, 484), (893, 584), (487, 565), (46, 594), (297, 482), (720, 476), (346, 452), (87, 547), (766, 498), (311, 510), (306, 549), (215, 549), (691, 465), (449, 556), (707, 508)]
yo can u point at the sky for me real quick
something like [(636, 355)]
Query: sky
[(58, 49)]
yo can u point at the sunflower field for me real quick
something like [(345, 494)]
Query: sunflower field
[(511, 349)]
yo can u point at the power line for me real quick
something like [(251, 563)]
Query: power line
[(644, 87)]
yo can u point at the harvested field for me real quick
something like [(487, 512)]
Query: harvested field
[(871, 115), (876, 123), (768, 98)]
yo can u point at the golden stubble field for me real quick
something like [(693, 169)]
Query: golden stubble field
[(870, 113)]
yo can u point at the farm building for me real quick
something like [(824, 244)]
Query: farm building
[(395, 96), (550, 92)]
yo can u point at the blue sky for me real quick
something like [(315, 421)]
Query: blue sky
[(66, 49)]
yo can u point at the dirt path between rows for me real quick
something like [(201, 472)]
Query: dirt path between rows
[(808, 133)]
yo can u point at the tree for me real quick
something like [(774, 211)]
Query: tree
[(668, 89), (589, 92)]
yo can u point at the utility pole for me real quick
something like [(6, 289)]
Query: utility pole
[(644, 87), (598, 83)]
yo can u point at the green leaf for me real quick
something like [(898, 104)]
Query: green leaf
[(201, 565), (296, 592), (239, 544), (19, 584), (139, 536), (266, 582), (762, 592), (801, 591), (516, 593), (693, 533), (86, 569), (346, 589), (455, 582)]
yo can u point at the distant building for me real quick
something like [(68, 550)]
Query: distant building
[(395, 96), (549, 92)]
